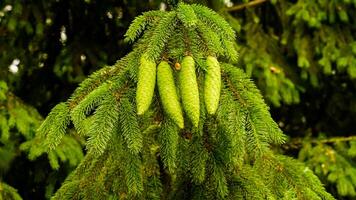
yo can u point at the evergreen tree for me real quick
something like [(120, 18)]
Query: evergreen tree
[(303, 53), (18, 124), (164, 151), (299, 53)]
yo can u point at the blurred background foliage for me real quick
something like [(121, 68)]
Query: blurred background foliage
[(34, 173), (301, 54)]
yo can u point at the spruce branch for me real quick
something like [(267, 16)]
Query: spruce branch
[(248, 185), (198, 160), (219, 179), (215, 21), (258, 109), (148, 156), (168, 137), (285, 174), (261, 130), (129, 126), (232, 123), (55, 126), (196, 44), (218, 25), (133, 174), (85, 107), (186, 15), (140, 23), (101, 76), (161, 34), (211, 39)]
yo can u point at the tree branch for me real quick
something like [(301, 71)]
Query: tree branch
[(297, 142), (336, 139), (234, 90), (245, 5)]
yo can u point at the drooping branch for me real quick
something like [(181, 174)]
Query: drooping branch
[(93, 82), (234, 90)]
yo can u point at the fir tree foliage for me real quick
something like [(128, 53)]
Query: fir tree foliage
[(295, 50), (317, 36), (333, 160), (149, 156), (14, 114), (18, 124), (8, 192), (19, 120)]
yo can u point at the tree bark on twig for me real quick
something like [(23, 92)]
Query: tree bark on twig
[(245, 5)]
